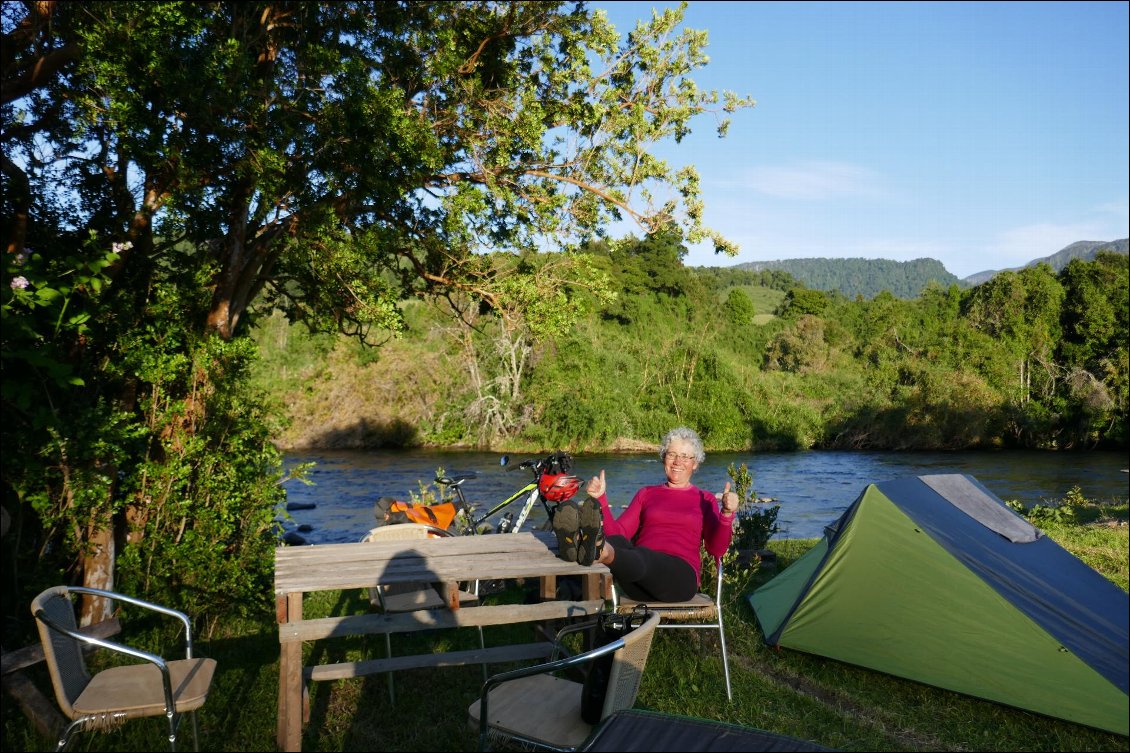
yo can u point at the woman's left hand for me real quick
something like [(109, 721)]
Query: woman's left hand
[(729, 501), (596, 486)]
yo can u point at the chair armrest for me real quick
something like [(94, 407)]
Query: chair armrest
[(144, 605), (558, 646), (537, 669), (120, 648)]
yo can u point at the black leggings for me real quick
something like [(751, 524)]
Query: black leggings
[(647, 575)]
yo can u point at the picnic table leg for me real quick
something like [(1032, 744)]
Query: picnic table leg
[(449, 592), (280, 724), (592, 587), (547, 591), (291, 706)]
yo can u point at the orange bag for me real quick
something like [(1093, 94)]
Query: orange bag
[(390, 512)]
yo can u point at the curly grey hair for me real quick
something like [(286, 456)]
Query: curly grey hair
[(687, 435)]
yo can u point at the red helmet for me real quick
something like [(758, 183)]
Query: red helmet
[(558, 487)]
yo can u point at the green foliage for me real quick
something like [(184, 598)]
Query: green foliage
[(289, 356), (741, 275), (184, 472), (800, 348), (209, 493), (739, 308), (878, 374), (803, 302), (1093, 354), (1064, 513), (757, 519), (50, 300)]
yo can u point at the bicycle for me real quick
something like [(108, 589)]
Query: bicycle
[(552, 482)]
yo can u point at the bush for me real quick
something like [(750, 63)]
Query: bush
[(757, 520)]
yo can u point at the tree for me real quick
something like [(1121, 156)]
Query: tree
[(801, 302), (739, 308), (1093, 350), (1021, 310), (332, 142), (325, 159), (532, 302)]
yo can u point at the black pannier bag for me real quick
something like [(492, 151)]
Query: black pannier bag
[(609, 627)]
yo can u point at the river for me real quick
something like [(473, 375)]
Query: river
[(812, 487)]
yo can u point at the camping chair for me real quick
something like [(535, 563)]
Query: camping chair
[(110, 697), (410, 597), (534, 707), (699, 613)]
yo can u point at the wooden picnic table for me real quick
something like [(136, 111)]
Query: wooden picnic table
[(329, 567)]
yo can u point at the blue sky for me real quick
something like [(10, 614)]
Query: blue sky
[(983, 135)]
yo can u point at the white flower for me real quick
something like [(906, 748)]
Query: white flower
[(120, 247), (19, 283)]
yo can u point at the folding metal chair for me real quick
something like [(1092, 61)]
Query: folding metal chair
[(535, 707), (107, 699), (701, 612)]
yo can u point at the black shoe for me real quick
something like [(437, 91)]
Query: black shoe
[(591, 536), (566, 524)]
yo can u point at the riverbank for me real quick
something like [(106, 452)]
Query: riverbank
[(357, 437)]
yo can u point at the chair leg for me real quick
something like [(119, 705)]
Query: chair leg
[(725, 660), (388, 653), (66, 736), (483, 646), (195, 733), (172, 717)]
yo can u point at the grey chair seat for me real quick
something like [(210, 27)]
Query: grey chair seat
[(135, 690)]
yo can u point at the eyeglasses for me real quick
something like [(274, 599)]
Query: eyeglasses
[(673, 456)]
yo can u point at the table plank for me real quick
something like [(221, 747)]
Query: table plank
[(507, 542), (493, 655), (464, 558), (432, 619)]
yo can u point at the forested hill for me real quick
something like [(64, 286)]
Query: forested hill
[(1085, 250), (862, 277), (1034, 360)]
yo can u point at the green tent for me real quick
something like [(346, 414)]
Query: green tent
[(934, 579)]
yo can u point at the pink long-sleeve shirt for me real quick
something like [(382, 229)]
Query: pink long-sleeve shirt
[(675, 521)]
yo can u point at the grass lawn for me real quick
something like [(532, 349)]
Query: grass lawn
[(830, 703)]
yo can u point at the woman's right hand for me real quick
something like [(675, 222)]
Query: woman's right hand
[(596, 486)]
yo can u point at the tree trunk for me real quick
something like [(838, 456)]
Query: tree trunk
[(98, 572)]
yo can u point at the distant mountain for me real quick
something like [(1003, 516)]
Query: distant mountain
[(907, 279), (1085, 250), (862, 277)]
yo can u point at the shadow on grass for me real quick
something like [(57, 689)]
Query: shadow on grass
[(430, 710)]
